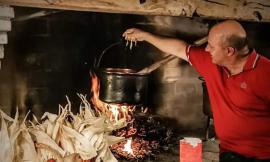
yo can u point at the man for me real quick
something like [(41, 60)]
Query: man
[(238, 82)]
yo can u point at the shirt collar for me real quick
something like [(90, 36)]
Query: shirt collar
[(251, 61), (249, 65)]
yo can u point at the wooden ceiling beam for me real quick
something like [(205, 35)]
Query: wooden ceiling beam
[(247, 10)]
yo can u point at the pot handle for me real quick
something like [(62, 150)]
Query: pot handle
[(97, 63)]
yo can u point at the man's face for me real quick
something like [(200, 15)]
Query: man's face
[(216, 50)]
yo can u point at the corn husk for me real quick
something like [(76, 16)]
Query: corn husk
[(26, 151), (73, 158), (42, 138), (65, 137), (6, 153)]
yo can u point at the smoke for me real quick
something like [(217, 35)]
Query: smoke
[(20, 94)]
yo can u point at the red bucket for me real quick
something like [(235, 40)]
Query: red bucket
[(190, 150)]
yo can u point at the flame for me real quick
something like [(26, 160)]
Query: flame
[(128, 148), (114, 111), (95, 92)]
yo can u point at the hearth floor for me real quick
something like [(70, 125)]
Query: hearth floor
[(210, 148), (210, 153)]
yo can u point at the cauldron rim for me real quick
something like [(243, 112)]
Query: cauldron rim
[(121, 71)]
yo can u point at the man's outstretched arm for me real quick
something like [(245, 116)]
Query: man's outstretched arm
[(168, 45)]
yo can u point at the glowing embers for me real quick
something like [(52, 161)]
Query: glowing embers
[(146, 136), (136, 148), (128, 147)]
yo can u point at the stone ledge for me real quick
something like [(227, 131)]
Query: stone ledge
[(3, 38), (6, 12)]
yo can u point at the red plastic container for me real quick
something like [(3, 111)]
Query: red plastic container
[(190, 150)]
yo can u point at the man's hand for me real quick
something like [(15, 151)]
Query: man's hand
[(171, 46), (134, 35)]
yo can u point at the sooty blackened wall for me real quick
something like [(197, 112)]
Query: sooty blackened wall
[(51, 56)]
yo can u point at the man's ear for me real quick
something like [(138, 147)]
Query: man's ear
[(231, 51)]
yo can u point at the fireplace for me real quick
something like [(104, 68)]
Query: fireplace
[(147, 134), (49, 57)]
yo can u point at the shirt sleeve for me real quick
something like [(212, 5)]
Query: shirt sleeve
[(199, 59)]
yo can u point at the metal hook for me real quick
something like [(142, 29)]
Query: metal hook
[(105, 50)]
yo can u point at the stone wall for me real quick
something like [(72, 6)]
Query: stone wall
[(179, 92)]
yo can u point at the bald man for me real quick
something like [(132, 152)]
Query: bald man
[(238, 83)]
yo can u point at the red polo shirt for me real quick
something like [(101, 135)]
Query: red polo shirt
[(240, 103)]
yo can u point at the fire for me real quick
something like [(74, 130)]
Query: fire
[(114, 111), (95, 92), (128, 148), (136, 148)]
